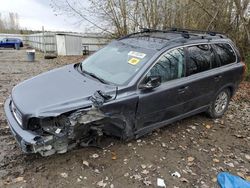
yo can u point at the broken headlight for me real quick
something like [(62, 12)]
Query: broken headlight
[(34, 124)]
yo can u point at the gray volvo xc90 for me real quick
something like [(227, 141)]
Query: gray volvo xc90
[(132, 86)]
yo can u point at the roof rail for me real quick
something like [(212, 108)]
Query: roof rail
[(185, 33), (212, 33), (143, 30)]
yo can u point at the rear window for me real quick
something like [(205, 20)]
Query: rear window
[(225, 53), (200, 58)]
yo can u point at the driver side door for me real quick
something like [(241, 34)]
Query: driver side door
[(164, 103)]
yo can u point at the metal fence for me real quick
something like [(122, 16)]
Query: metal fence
[(45, 42), (62, 43)]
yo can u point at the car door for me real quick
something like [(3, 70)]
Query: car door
[(164, 102), (11, 43), (201, 79), (227, 59)]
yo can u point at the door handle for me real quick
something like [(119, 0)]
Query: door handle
[(183, 89)]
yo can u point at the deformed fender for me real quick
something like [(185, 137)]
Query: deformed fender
[(122, 113)]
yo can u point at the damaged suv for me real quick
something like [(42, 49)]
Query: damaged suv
[(132, 86)]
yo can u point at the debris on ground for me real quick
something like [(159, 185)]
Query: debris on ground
[(95, 156), (161, 182), (64, 174), (176, 174), (18, 179), (101, 184), (114, 156), (86, 163), (147, 182), (190, 159)]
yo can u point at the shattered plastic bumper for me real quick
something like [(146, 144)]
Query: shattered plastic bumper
[(26, 139)]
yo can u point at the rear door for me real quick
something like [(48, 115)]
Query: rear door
[(166, 101), (230, 72), (201, 80)]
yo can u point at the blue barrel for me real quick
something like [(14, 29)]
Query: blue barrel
[(31, 55)]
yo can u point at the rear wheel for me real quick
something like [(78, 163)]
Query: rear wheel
[(220, 104)]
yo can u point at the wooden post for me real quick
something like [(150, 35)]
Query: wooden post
[(44, 45)]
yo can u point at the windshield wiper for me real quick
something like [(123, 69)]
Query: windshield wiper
[(94, 76)]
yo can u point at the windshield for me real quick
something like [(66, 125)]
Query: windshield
[(117, 63)]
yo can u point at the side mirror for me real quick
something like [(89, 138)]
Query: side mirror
[(151, 83)]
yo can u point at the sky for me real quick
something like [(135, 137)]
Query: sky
[(33, 14)]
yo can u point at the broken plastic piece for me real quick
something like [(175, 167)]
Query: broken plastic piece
[(160, 182), (99, 98), (176, 174)]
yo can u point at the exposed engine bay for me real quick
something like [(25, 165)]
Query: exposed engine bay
[(83, 127)]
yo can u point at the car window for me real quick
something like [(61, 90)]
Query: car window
[(225, 53), (200, 58), (117, 63), (170, 66), (12, 40)]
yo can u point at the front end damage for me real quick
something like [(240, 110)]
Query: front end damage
[(62, 133), (83, 127)]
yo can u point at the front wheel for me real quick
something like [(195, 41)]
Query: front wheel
[(220, 104)]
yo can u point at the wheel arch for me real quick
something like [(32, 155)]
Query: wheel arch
[(231, 87)]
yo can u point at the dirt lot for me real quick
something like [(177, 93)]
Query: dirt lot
[(197, 147)]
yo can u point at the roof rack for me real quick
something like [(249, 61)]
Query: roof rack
[(185, 33), (212, 33)]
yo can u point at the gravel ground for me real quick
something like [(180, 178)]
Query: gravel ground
[(198, 148)]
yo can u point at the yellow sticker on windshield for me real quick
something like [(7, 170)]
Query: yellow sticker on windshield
[(134, 61)]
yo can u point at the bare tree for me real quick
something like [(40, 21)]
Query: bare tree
[(9, 23), (120, 17)]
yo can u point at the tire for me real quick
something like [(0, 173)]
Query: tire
[(220, 104)]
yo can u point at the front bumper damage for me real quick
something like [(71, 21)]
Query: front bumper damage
[(82, 127), (25, 138), (55, 136)]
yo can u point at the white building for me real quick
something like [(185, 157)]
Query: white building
[(77, 44)]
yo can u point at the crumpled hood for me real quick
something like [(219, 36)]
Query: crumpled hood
[(56, 92)]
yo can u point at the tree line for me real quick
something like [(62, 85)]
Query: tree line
[(9, 23), (120, 17)]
